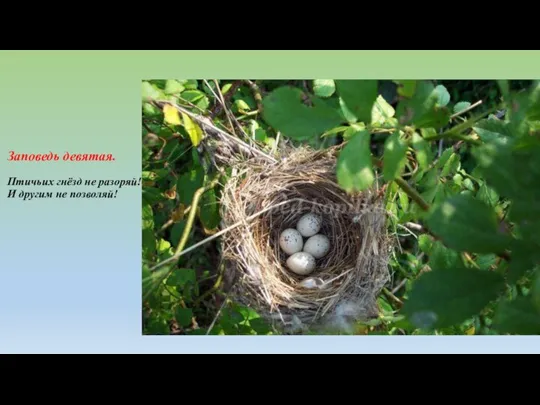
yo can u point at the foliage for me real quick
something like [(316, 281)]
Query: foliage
[(466, 174)]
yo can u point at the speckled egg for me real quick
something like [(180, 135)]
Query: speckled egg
[(291, 241), (317, 246), (309, 225), (301, 263)]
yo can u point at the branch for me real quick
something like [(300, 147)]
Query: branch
[(189, 224), (412, 193), (205, 122), (469, 108), (256, 94), (455, 132)]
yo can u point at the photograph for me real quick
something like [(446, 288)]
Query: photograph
[(340, 207)]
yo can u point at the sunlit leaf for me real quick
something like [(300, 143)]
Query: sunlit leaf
[(171, 115), (323, 87), (284, 109), (359, 97), (354, 166), (193, 129)]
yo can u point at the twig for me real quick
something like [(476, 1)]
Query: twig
[(455, 132), (469, 108), (191, 104), (415, 227), (214, 288), (172, 221), (217, 315), (412, 193), (392, 296), (231, 116), (145, 125), (216, 110), (189, 224), (409, 232), (208, 124), (256, 94), (400, 285), (221, 100), (274, 149)]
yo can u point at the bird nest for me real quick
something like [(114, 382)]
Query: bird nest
[(261, 199)]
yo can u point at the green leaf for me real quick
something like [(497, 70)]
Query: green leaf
[(486, 261), (181, 277), (423, 109), (469, 185), (425, 243), (151, 195), (284, 110), (517, 317), (336, 130), (487, 195), (157, 326), (176, 232), (382, 111), (173, 87), (353, 130), (520, 104), (443, 96), (260, 326), (403, 201), (192, 95), (394, 158), (445, 157), (203, 103), (535, 292), (209, 213), (164, 246), (354, 166), (346, 113), (504, 85), (148, 243), (226, 87), (462, 105), (451, 166), (242, 106), (260, 135), (440, 257), (424, 154), (533, 111), (465, 223), (359, 97), (525, 256), (323, 88), (247, 313), (190, 84), (446, 297), (188, 183), (147, 217), (514, 172), (149, 92), (183, 316), (149, 110), (493, 131), (406, 88)]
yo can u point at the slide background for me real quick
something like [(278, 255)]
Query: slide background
[(70, 270)]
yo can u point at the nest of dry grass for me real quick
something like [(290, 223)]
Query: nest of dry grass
[(265, 198)]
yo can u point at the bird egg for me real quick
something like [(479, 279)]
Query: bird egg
[(291, 241)]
